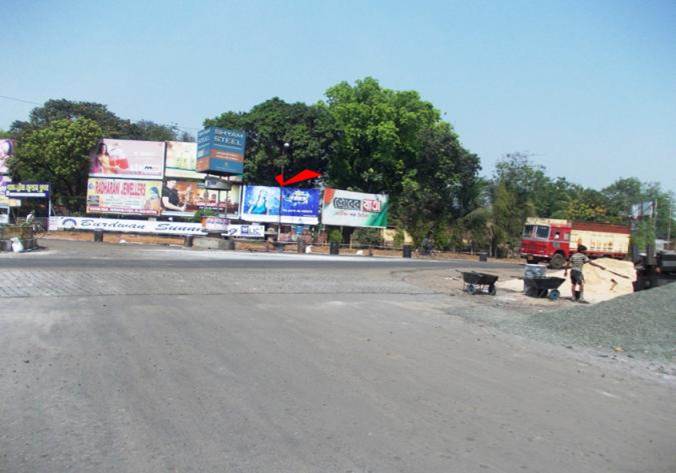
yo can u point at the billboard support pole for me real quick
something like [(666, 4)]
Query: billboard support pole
[(279, 223)]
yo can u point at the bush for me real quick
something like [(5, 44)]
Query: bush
[(368, 236), (335, 236)]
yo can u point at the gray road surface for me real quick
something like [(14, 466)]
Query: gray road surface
[(298, 370)]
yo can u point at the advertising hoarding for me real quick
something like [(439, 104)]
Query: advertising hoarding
[(6, 150), (183, 198), (354, 209), (24, 190), (124, 196), (181, 160), (148, 226), (128, 159), (4, 200), (299, 206), (220, 151)]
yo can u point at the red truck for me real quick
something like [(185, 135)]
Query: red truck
[(554, 240)]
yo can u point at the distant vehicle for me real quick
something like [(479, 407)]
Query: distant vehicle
[(554, 240)]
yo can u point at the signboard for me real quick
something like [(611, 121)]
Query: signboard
[(299, 206), (124, 196), (147, 226), (23, 190), (181, 160), (128, 159), (4, 200), (644, 209), (354, 209), (183, 198), (127, 226), (6, 150), (220, 151), (246, 231)]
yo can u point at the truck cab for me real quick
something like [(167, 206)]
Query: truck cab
[(546, 239)]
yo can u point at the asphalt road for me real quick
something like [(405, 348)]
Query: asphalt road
[(315, 370)]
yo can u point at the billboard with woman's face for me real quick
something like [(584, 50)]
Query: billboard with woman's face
[(128, 159), (6, 150)]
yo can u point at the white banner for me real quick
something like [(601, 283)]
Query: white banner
[(148, 226)]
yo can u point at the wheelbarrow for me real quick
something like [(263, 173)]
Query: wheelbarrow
[(474, 282), (543, 287)]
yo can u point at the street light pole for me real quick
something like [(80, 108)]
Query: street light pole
[(279, 213)]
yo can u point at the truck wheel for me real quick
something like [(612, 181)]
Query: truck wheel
[(557, 261)]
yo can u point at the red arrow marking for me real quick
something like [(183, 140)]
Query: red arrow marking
[(304, 175)]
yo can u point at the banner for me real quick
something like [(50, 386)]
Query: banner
[(147, 226), (4, 200), (181, 161), (220, 151), (24, 190), (184, 198), (128, 159), (354, 209), (127, 226), (6, 150), (644, 209), (299, 206), (124, 196)]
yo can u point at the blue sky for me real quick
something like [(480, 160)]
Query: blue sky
[(589, 88)]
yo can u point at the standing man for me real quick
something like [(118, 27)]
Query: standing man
[(575, 264), (170, 198)]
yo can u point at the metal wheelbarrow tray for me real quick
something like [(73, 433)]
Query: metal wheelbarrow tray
[(478, 282), (543, 287)]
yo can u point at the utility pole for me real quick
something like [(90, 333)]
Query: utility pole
[(281, 193)]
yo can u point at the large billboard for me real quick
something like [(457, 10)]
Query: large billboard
[(354, 209), (6, 150), (182, 198), (220, 151), (124, 196), (181, 160), (299, 206), (128, 159), (4, 200)]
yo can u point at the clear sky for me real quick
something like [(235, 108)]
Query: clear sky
[(589, 88)]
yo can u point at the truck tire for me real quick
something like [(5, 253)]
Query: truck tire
[(557, 261)]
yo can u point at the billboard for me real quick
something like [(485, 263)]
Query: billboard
[(220, 151), (4, 200), (181, 160), (6, 150), (354, 209), (124, 196), (23, 190), (128, 159), (182, 198), (299, 206)]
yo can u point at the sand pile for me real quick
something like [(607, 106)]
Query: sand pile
[(599, 285)]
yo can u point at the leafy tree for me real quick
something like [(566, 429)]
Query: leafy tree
[(5, 134), (58, 153), (307, 128), (111, 125)]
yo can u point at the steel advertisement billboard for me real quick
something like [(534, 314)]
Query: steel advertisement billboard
[(220, 151), (6, 151), (299, 206), (124, 196), (354, 209), (128, 159)]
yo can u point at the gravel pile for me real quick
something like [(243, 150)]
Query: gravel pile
[(641, 324)]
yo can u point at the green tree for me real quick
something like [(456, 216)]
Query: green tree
[(308, 129), (111, 125), (58, 153)]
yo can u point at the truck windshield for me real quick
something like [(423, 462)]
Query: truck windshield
[(528, 230), (542, 231)]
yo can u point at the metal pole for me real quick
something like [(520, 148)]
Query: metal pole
[(279, 223)]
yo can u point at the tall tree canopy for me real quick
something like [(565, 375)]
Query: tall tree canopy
[(58, 153)]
